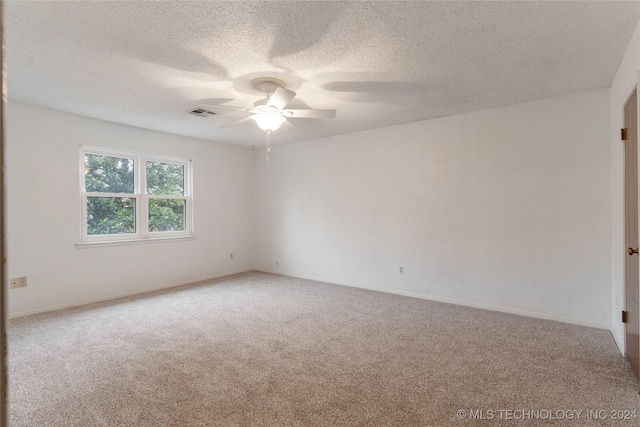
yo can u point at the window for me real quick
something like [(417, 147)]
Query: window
[(134, 196)]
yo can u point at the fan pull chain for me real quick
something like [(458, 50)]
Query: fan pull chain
[(268, 143)]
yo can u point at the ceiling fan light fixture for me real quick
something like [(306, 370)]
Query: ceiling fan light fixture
[(268, 122)]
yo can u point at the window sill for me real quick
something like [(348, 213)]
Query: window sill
[(107, 243)]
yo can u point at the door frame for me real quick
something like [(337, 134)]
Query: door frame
[(634, 87)]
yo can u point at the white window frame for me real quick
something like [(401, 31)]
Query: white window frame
[(139, 195)]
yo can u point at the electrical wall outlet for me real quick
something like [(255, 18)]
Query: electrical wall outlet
[(231, 256), (401, 270), (18, 282)]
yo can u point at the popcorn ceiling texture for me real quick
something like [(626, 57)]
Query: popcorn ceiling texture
[(258, 349), (377, 63)]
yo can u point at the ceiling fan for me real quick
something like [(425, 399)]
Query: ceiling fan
[(269, 113)]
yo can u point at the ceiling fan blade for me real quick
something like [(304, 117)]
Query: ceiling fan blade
[(280, 98), (236, 122), (224, 107), (310, 114), (287, 125)]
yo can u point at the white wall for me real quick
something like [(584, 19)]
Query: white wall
[(506, 208), (625, 80), (43, 212)]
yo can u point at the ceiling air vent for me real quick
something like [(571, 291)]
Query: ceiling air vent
[(201, 112)]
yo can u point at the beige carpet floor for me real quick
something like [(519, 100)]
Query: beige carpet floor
[(258, 349)]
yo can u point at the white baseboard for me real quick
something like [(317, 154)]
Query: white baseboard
[(320, 279), (122, 295), (527, 313), (619, 340)]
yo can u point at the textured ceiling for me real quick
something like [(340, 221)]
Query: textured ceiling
[(377, 63)]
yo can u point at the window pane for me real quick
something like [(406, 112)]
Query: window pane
[(166, 215), (107, 174), (111, 215), (165, 179)]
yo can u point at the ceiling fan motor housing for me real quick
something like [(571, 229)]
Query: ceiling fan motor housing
[(267, 84)]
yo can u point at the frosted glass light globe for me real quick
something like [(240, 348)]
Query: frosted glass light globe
[(268, 122)]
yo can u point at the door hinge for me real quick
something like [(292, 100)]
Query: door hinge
[(625, 317), (623, 134)]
